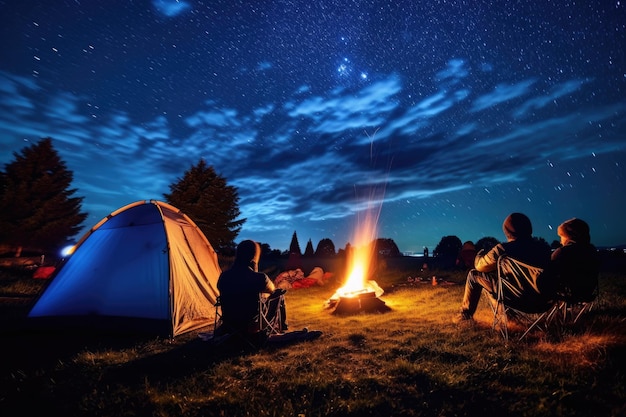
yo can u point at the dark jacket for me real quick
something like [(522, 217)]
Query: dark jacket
[(239, 289), (576, 266), (526, 249)]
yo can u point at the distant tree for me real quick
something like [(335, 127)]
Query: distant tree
[(386, 248), (210, 202), (447, 250), (486, 243), (294, 260), (266, 250), (343, 252), (543, 242), (309, 252), (555, 244), (37, 210), (268, 253), (448, 246), (325, 248), (294, 246)]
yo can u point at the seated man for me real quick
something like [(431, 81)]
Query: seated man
[(519, 245), (576, 262), (240, 287)]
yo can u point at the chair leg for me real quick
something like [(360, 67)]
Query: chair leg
[(585, 308), (270, 314), (500, 319), (535, 324)]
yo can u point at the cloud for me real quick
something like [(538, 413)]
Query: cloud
[(314, 158), (171, 8), (501, 94), (343, 112), (556, 92)]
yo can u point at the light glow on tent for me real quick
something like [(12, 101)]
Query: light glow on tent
[(67, 251)]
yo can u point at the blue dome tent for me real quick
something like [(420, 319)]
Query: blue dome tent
[(145, 265)]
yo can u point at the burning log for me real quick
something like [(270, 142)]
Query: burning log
[(357, 301), (364, 302)]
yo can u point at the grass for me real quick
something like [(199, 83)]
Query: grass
[(410, 361)]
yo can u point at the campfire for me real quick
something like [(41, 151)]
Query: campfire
[(359, 294)]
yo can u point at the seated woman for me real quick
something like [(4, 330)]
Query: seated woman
[(240, 287), (576, 263)]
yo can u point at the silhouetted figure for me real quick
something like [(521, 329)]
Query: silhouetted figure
[(240, 288), (576, 263), (465, 260)]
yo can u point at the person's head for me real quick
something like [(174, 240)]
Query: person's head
[(574, 231), (517, 226), (469, 245), (248, 253)]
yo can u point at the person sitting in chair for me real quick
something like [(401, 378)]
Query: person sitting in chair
[(576, 263), (240, 288), (520, 245)]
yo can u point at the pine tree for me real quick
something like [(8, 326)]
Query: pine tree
[(37, 210), (308, 251), (294, 246), (213, 205), (294, 260)]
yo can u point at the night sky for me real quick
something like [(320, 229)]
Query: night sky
[(441, 116)]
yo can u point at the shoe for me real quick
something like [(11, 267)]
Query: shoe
[(462, 317)]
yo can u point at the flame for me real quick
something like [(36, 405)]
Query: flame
[(359, 259), (360, 256)]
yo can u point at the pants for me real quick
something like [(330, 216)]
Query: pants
[(475, 283)]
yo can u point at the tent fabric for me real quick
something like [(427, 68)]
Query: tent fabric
[(146, 260)]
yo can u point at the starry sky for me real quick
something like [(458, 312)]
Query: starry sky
[(441, 117)]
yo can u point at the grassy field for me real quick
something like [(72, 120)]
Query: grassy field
[(409, 361)]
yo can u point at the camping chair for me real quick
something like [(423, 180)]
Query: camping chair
[(571, 309), (269, 321), (271, 317), (520, 295)]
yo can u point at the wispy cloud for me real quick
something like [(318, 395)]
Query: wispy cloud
[(502, 93), (171, 8), (312, 157)]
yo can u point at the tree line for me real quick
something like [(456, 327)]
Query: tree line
[(40, 212)]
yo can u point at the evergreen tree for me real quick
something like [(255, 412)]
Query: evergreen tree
[(308, 252), (294, 246), (294, 260), (210, 202), (37, 210)]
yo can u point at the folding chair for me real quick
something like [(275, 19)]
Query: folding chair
[(271, 317), (270, 320), (520, 295), (572, 309)]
